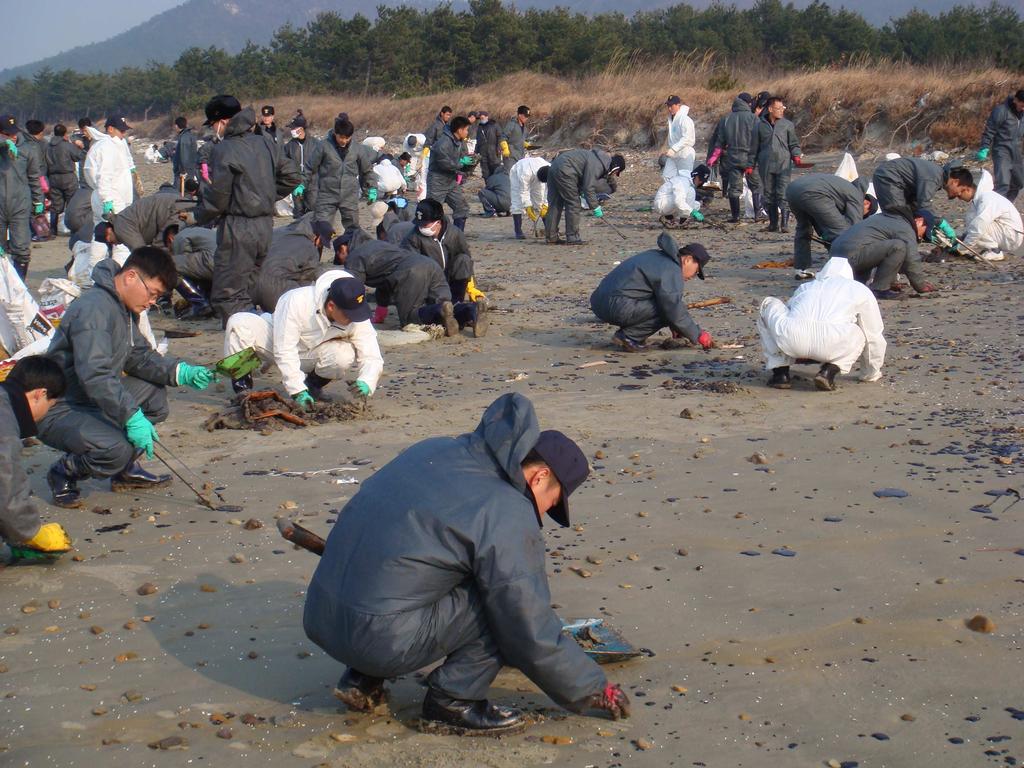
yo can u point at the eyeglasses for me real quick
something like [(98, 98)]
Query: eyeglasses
[(151, 294)]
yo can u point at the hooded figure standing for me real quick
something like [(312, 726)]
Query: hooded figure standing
[(62, 158), (21, 193), (734, 140), (1003, 135), (249, 173), (574, 174), (340, 173), (833, 320), (681, 135), (447, 165), (777, 149), (644, 294), (108, 171), (413, 574)]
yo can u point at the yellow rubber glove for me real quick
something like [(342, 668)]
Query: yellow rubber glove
[(426, 152), (472, 292), (531, 213), (544, 211), (505, 151), (50, 538)]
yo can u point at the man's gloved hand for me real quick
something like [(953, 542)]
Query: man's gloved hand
[(12, 147), (612, 700), (380, 314), (360, 388), (531, 213), (371, 195), (982, 154), (544, 211), (465, 161), (798, 160), (598, 213), (748, 170), (697, 216), (927, 288), (299, 191), (705, 340), (141, 433), (50, 538), (108, 208), (204, 171), (194, 376), (714, 157), (505, 151), (304, 399), (37, 208), (947, 229)]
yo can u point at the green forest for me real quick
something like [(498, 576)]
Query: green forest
[(405, 51)]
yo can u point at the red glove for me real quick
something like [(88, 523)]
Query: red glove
[(927, 288), (714, 157), (748, 171), (798, 160), (613, 700), (705, 340)]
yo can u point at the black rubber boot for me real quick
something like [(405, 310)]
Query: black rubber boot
[(773, 219), (780, 378), (198, 305), (63, 480), (467, 716), (517, 225), (53, 222), (758, 205), (359, 692), (21, 266), (242, 385), (826, 378), (135, 477), (315, 384), (460, 223), (734, 209), (784, 220)]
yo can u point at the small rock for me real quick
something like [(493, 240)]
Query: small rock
[(833, 764), (289, 505), (30, 607), (594, 560), (860, 620), (643, 744), (560, 741), (121, 658), (682, 552), (891, 493), (253, 655), (53, 604), (99, 711), (941, 580), (633, 556), (907, 718), (96, 629), (680, 688), (132, 695), (685, 414), (225, 733), (129, 625), (744, 716), (982, 624), (146, 589), (10, 630), (207, 588), (52, 629), (343, 738), (757, 458), (88, 687), (625, 586), (237, 558), (4, 669), (251, 719), (171, 742), (252, 524), (598, 454), (581, 572)]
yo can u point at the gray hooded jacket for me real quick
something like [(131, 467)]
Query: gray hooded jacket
[(825, 193), (144, 221), (337, 182), (292, 261), (736, 135), (582, 168), (19, 518), (885, 232)]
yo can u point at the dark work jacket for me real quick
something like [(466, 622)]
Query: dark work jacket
[(885, 232), (818, 193), (292, 261), (61, 158), (19, 518), (450, 250), (1004, 130), (186, 154)]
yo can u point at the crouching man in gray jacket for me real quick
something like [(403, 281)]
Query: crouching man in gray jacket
[(413, 574), (644, 294)]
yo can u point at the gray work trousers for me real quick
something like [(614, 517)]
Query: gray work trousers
[(242, 245), (1008, 173), (563, 197), (86, 432), (886, 258), (16, 232), (826, 220)]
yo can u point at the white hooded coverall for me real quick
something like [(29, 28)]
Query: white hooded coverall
[(108, 172), (831, 319), (681, 136), (527, 189), (300, 338), (676, 197), (993, 222)]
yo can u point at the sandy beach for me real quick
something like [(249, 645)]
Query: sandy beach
[(793, 617)]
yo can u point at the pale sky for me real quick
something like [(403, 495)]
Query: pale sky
[(34, 29)]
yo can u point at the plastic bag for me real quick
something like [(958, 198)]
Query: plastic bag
[(41, 227), (55, 294), (847, 168)]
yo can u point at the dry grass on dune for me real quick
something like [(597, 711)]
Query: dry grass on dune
[(862, 106)]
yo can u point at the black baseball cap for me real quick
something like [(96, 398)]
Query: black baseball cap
[(349, 295), (746, 97), (268, 109), (567, 464), (9, 125), (428, 211), (929, 221), (118, 122), (673, 99), (699, 254), (220, 107), (297, 122)]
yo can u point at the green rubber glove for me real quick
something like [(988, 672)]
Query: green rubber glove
[(304, 399), (12, 147), (361, 388), (371, 195), (108, 207), (299, 191), (466, 161), (141, 433), (37, 209), (982, 154), (696, 215), (598, 213), (194, 376), (947, 229)]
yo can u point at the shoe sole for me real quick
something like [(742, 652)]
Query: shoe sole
[(76, 504), (624, 346), (784, 385), (823, 384), (438, 728), (123, 485), (482, 321), (451, 325), (357, 701)]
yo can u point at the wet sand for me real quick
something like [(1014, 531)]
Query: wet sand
[(854, 649)]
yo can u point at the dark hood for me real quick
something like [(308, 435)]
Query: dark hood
[(667, 245), (739, 105), (241, 123), (508, 431), (56, 141)]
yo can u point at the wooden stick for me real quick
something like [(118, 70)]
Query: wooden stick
[(709, 302)]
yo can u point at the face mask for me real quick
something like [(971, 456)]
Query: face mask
[(483, 121), (295, 133), (427, 231)]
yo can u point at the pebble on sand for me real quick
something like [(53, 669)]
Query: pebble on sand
[(559, 741), (171, 742), (981, 624), (146, 589), (757, 458), (891, 493)]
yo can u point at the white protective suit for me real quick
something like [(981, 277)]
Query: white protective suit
[(23, 330), (681, 135), (414, 146), (527, 189), (676, 197), (300, 339), (993, 222), (389, 178), (108, 172), (831, 319)]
